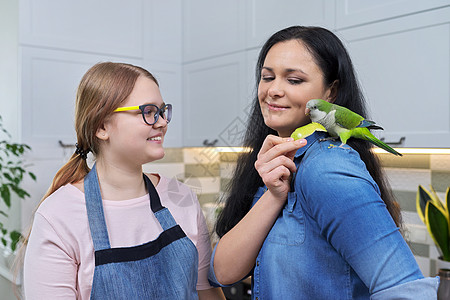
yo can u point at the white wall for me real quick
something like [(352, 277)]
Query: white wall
[(9, 82)]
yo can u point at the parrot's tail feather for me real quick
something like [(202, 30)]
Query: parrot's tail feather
[(371, 138)]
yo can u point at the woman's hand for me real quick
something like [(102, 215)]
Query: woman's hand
[(237, 250), (275, 164)]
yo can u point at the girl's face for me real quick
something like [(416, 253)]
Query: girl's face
[(290, 77), (127, 137)]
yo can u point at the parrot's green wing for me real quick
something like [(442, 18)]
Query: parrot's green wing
[(346, 118)]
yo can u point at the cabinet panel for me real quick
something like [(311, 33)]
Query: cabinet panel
[(102, 26), (267, 17), (163, 30), (405, 74), (49, 83), (214, 90), (212, 28), (169, 79), (357, 12)]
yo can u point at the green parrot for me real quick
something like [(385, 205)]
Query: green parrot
[(343, 123)]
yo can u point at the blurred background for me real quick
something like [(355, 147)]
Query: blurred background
[(203, 54)]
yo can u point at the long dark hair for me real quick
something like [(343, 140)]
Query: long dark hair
[(335, 63)]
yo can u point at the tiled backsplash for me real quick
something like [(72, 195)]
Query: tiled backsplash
[(405, 175), (207, 171)]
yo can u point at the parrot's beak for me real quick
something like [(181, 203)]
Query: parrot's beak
[(307, 111)]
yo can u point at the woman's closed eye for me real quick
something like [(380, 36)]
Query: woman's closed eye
[(295, 80), (267, 78)]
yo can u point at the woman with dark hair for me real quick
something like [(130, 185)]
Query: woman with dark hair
[(319, 222)]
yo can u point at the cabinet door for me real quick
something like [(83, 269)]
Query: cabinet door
[(109, 27), (267, 17), (163, 36), (49, 83), (357, 12), (212, 28), (404, 68), (214, 92)]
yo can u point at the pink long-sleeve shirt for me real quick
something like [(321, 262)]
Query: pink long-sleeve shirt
[(59, 259)]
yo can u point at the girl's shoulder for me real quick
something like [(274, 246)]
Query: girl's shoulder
[(66, 200)]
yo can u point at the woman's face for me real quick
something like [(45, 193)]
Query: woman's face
[(128, 138), (290, 77)]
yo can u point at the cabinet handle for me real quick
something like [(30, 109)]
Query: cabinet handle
[(66, 145), (402, 139), (210, 144)]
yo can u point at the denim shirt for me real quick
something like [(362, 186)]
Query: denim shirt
[(335, 239)]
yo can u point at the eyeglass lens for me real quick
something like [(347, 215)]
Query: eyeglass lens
[(152, 112)]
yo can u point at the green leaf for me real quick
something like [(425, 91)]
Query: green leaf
[(437, 226), (4, 242), (422, 197), (15, 238), (20, 192), (7, 176), (3, 213), (32, 176), (6, 195), (447, 207)]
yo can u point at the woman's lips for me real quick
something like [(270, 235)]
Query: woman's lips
[(276, 107)]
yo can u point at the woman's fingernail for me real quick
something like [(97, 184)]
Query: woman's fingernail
[(289, 139), (300, 142)]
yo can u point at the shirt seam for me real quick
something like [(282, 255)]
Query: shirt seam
[(59, 237)]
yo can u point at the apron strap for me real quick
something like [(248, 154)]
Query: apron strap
[(94, 207), (155, 202), (162, 214)]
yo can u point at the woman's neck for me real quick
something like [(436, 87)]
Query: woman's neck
[(120, 182)]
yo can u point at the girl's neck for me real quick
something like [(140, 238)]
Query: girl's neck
[(119, 182)]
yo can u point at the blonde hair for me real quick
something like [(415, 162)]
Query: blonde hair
[(103, 88)]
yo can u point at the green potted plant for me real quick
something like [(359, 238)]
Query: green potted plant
[(12, 172), (435, 215)]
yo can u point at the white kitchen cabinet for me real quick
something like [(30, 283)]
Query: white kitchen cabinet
[(212, 28), (356, 12), (102, 26), (404, 67), (214, 97), (267, 17), (49, 82), (163, 36)]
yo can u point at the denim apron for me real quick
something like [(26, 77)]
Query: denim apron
[(165, 268)]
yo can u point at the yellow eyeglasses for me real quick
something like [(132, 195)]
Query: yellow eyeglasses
[(151, 112)]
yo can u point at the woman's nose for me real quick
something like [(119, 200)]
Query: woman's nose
[(275, 90)]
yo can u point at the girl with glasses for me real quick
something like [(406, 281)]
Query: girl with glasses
[(112, 231)]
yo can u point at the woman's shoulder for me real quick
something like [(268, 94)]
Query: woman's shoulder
[(66, 199), (328, 150), (329, 157)]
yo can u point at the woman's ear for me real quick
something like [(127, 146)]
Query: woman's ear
[(333, 91), (102, 133)]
